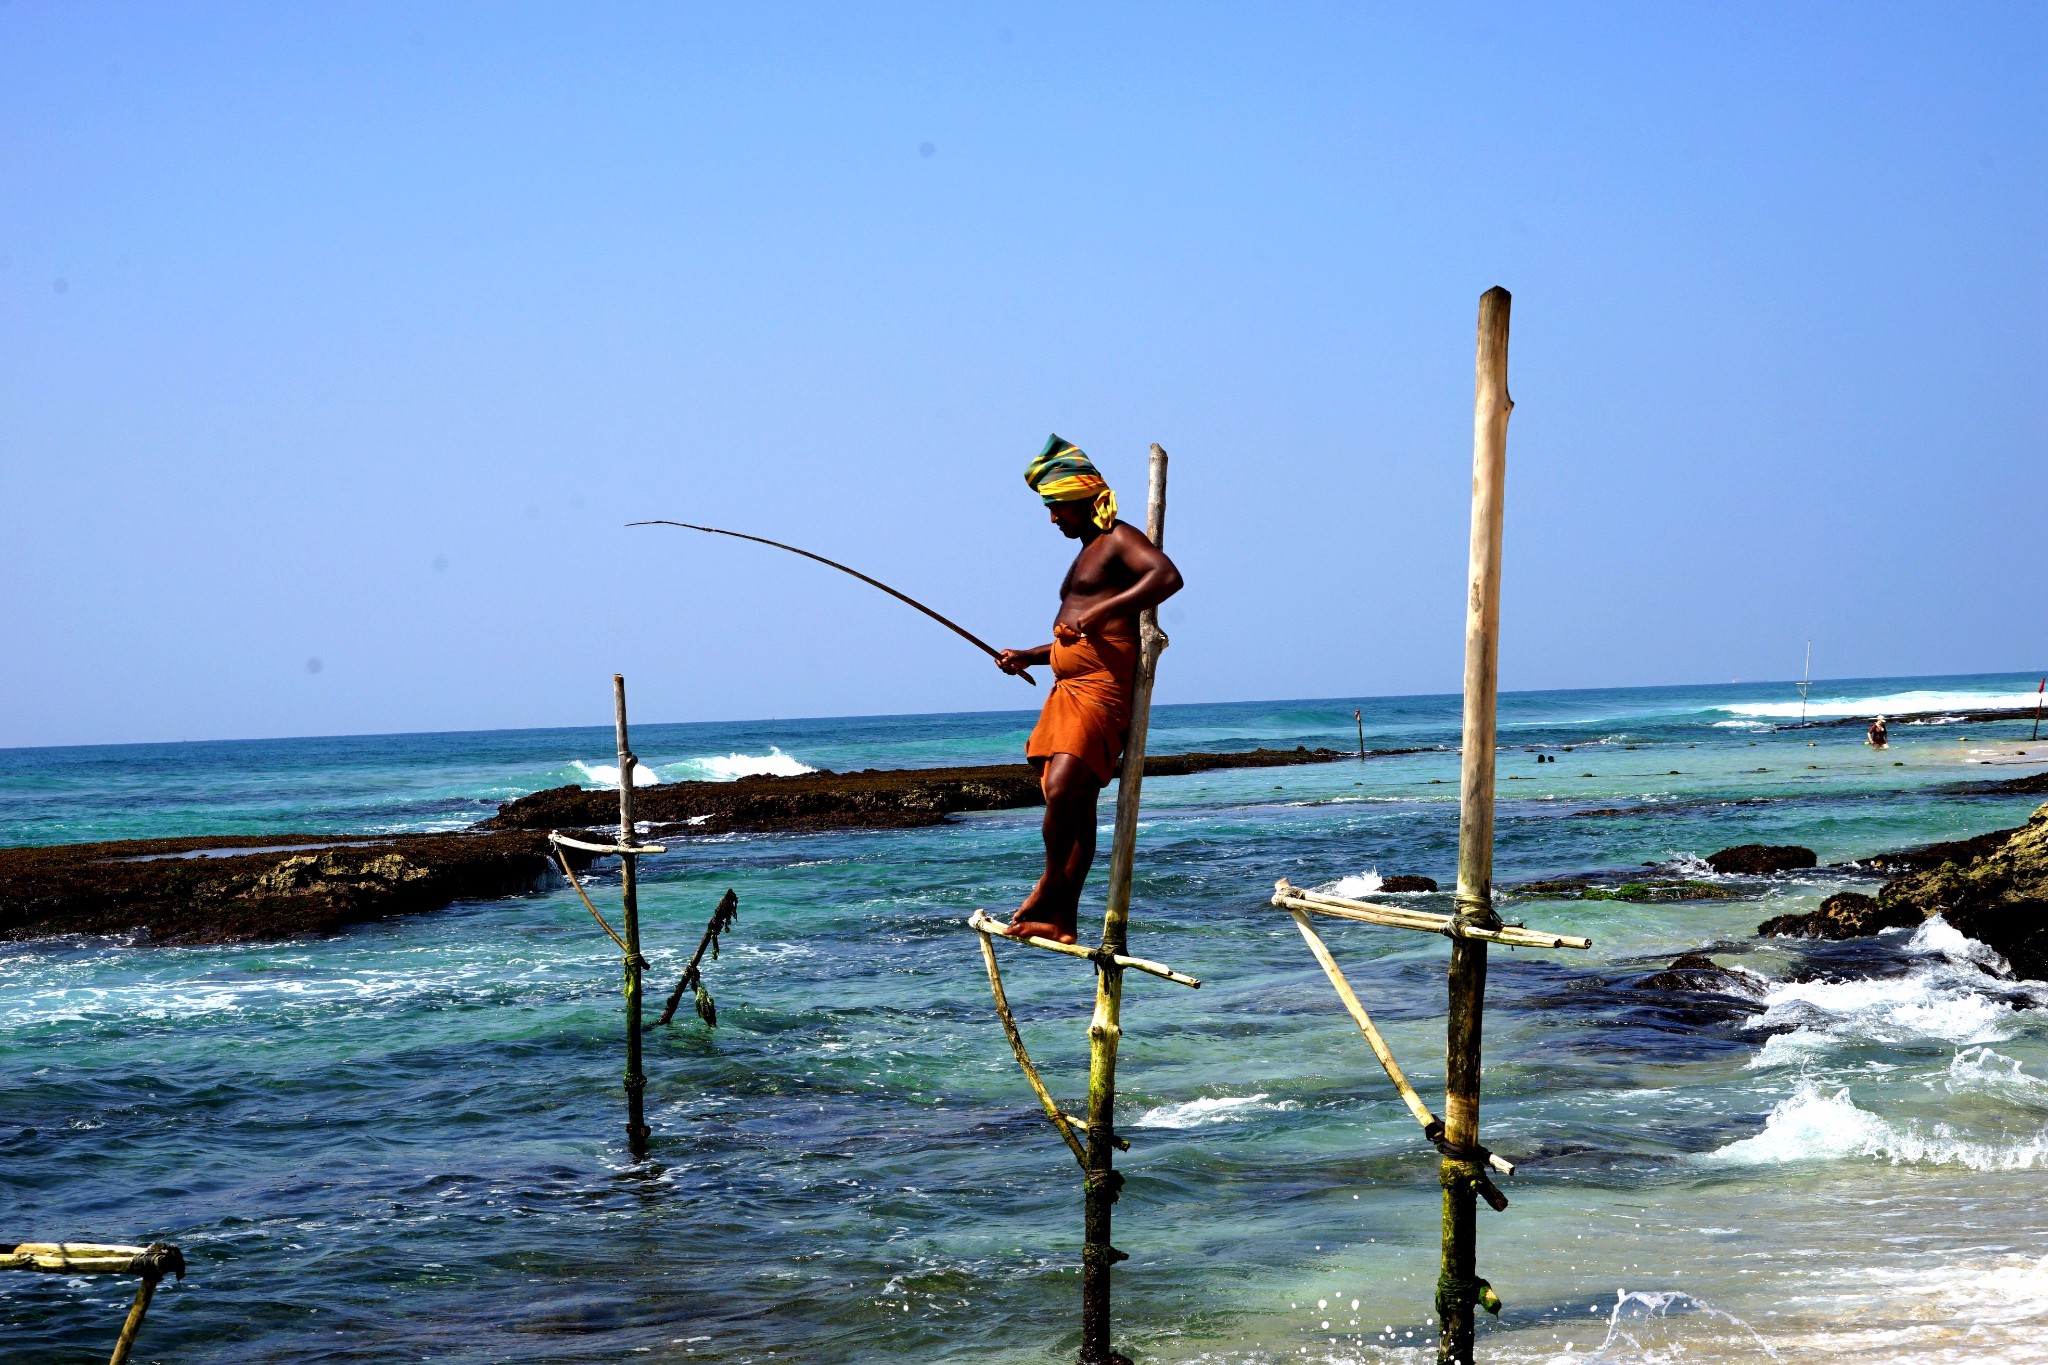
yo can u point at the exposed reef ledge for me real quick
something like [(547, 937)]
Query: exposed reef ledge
[(237, 888), (875, 799)]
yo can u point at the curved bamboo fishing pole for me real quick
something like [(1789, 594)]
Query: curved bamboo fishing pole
[(961, 631)]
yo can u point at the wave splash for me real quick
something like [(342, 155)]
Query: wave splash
[(710, 768), (1354, 886), (607, 774), (732, 767)]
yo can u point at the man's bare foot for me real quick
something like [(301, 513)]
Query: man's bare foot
[(1034, 919), (1038, 928)]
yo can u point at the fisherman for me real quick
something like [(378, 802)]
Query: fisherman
[(1094, 656), (1879, 738)]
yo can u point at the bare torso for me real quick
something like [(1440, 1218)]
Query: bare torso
[(1099, 573)]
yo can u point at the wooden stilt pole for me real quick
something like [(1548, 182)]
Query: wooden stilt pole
[(1458, 1284), (1105, 1029), (1359, 715), (130, 1329), (637, 1131)]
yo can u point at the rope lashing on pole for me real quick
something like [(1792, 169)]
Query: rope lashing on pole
[(905, 598)]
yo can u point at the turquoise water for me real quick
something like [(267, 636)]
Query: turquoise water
[(404, 1143)]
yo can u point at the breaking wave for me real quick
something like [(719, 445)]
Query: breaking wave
[(732, 767), (607, 774), (710, 768), (1890, 704), (1816, 1123)]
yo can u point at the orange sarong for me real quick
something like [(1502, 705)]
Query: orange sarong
[(1089, 708)]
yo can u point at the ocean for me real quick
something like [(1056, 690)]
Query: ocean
[(404, 1143)]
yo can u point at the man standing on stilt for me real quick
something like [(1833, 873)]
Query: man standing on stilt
[(1093, 655)]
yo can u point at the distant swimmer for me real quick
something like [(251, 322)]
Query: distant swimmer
[(1879, 737), (1094, 657)]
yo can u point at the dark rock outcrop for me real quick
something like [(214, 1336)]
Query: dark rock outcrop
[(874, 799), (1924, 856), (1699, 973), (234, 889), (1760, 860), (1408, 882), (1999, 898), (1846, 914)]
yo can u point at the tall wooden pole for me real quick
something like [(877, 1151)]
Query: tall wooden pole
[(636, 1080), (1458, 1285), (1105, 1030)]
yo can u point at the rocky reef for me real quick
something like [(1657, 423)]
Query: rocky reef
[(873, 799), (1993, 888), (1999, 898), (238, 888), (1846, 914)]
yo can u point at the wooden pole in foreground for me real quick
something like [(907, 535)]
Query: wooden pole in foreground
[(637, 1131), (1458, 1286), (1105, 1030)]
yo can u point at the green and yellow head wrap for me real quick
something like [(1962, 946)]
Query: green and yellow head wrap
[(1063, 473)]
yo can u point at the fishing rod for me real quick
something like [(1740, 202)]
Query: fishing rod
[(965, 634)]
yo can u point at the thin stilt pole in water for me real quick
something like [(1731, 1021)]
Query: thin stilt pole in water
[(1105, 1029), (131, 1328), (1359, 715), (1458, 1284), (637, 1131)]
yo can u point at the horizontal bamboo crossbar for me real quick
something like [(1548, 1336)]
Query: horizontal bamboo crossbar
[(93, 1258), (567, 842), (980, 922), (1287, 896)]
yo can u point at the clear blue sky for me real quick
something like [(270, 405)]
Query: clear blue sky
[(354, 332)]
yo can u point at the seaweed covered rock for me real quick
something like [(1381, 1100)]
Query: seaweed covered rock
[(1408, 882), (1760, 860), (1846, 914), (2000, 898)]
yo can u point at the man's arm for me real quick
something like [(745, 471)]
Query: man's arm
[(1157, 580), (1017, 660)]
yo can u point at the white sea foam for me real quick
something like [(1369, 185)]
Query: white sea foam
[(1937, 937), (1210, 1109), (1981, 1070), (732, 767), (1888, 704), (1947, 997), (607, 774), (1352, 887), (1816, 1123)]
